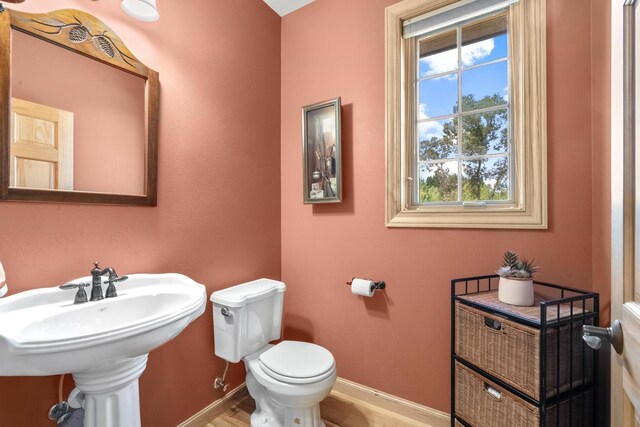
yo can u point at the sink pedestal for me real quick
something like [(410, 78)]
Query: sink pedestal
[(111, 392)]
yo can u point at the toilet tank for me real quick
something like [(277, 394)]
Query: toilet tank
[(247, 317)]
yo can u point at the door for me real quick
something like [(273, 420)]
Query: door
[(41, 146), (625, 205)]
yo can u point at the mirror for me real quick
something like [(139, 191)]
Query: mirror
[(79, 112)]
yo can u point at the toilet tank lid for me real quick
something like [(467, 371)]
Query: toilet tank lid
[(240, 295)]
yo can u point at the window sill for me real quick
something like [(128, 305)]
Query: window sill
[(509, 218)]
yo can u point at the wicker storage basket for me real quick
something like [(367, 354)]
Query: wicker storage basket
[(482, 403), (511, 351)]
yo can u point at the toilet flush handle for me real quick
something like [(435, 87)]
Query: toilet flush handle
[(225, 311)]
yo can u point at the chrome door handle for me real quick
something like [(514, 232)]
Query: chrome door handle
[(595, 336)]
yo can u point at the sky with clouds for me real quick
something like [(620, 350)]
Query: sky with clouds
[(438, 96)]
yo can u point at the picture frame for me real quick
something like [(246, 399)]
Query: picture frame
[(322, 152)]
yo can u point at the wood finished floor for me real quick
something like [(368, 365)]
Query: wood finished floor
[(239, 415)]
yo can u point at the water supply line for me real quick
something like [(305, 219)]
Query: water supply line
[(60, 411), (67, 411), (61, 388), (220, 383)]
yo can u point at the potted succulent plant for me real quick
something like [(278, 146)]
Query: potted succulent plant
[(516, 280)]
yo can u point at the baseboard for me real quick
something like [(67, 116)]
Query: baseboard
[(354, 405), (204, 417), (349, 405)]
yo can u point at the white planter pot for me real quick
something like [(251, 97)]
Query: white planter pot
[(516, 291)]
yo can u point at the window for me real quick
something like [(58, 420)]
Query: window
[(461, 135), (466, 114)]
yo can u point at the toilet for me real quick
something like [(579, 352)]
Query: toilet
[(287, 380)]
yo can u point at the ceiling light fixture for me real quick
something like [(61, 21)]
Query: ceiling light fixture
[(143, 10)]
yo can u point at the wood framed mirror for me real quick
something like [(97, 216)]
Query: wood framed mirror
[(78, 112)]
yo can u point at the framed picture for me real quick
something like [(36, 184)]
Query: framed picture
[(321, 153)]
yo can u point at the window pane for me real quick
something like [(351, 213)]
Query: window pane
[(484, 41), (438, 139), (485, 133), (438, 182), (438, 96), (485, 86), (438, 54), (485, 179)]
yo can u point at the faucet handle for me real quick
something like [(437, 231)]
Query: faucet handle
[(115, 279), (67, 286), (111, 289), (81, 295)]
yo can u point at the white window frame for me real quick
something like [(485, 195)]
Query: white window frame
[(528, 126), (459, 158)]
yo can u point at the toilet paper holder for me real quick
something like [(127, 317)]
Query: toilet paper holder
[(377, 286)]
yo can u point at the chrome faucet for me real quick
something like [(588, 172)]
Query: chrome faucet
[(96, 285), (96, 282)]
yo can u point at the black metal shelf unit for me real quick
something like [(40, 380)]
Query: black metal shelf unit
[(583, 309)]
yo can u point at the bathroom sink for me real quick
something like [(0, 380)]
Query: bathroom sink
[(43, 333), (103, 343)]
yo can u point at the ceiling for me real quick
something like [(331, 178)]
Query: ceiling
[(283, 7)]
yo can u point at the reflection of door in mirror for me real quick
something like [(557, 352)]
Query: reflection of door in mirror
[(41, 146), (108, 107)]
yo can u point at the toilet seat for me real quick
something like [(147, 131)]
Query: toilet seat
[(295, 362)]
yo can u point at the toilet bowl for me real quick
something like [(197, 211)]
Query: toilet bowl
[(293, 399), (287, 380)]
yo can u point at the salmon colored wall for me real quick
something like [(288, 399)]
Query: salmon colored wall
[(400, 342), (218, 213), (223, 219), (109, 146)]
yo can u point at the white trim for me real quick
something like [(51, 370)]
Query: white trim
[(617, 203), (414, 175)]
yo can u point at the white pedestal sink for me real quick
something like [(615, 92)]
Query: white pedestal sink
[(105, 344)]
